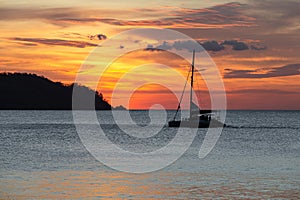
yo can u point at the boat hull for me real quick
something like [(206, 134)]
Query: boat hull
[(213, 123)]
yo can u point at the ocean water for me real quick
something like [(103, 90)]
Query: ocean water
[(256, 157)]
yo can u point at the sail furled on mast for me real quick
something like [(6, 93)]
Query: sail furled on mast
[(194, 109), (192, 82)]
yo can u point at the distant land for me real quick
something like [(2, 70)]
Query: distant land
[(23, 91), (120, 107)]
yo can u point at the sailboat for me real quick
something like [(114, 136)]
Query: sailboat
[(198, 118)]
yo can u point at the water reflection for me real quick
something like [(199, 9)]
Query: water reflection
[(160, 185)]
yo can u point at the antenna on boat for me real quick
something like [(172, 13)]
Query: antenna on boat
[(192, 80)]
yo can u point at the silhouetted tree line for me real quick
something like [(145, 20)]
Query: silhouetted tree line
[(30, 91)]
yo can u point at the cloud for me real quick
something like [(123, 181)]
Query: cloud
[(165, 46), (150, 47), (101, 37), (266, 16), (275, 15), (210, 45), (207, 92), (258, 47), (72, 35), (261, 91), (225, 15), (55, 42), (287, 70), (178, 45), (186, 45), (236, 45), (98, 36), (29, 44)]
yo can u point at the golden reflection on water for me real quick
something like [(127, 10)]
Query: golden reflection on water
[(157, 185)]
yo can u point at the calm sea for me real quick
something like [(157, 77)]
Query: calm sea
[(257, 157)]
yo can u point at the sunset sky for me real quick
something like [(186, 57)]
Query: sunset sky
[(254, 43)]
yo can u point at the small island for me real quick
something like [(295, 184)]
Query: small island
[(120, 107), (23, 91)]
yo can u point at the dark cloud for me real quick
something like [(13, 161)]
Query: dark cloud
[(98, 36), (178, 45), (188, 45), (287, 70), (101, 37), (150, 47), (59, 42), (236, 45), (210, 45)]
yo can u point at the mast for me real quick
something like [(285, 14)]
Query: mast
[(192, 80)]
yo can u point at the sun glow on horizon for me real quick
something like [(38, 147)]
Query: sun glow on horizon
[(257, 55)]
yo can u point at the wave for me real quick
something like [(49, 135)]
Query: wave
[(261, 127)]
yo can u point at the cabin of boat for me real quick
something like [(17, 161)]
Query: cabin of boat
[(203, 121)]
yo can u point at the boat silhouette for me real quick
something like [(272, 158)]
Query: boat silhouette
[(198, 118)]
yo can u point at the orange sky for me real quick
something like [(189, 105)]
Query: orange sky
[(255, 45)]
